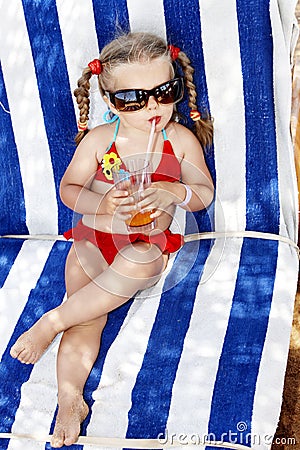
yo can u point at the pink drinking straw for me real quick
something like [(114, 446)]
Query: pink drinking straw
[(148, 151)]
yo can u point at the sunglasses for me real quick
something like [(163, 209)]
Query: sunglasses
[(129, 100)]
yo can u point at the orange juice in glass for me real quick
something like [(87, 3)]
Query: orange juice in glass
[(135, 179)]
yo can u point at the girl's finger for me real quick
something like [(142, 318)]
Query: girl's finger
[(148, 192), (123, 216), (118, 193), (123, 201), (150, 199), (125, 207), (156, 213)]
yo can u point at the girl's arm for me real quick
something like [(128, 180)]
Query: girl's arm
[(194, 171), (75, 185), (194, 174), (97, 209)]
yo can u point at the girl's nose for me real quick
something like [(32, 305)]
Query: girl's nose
[(152, 103)]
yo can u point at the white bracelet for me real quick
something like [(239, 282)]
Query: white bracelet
[(188, 196)]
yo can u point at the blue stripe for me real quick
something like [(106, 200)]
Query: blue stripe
[(181, 23), (47, 294), (9, 250), (12, 199), (256, 46), (52, 78), (151, 395), (110, 18), (111, 330), (244, 341)]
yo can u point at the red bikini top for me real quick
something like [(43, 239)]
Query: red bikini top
[(167, 170)]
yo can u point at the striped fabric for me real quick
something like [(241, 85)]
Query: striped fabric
[(203, 352)]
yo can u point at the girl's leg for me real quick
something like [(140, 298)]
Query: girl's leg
[(78, 349), (134, 268), (77, 353)]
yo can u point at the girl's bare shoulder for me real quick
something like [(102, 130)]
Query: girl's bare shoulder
[(98, 139), (100, 133), (182, 138)]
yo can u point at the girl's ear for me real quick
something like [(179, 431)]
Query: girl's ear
[(105, 98), (110, 105)]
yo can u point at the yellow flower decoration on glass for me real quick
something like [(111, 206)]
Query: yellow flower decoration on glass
[(108, 161)]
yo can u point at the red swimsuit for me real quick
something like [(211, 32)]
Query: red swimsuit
[(110, 244)]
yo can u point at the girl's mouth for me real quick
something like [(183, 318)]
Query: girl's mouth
[(156, 118)]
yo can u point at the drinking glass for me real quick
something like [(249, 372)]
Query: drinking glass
[(135, 179)]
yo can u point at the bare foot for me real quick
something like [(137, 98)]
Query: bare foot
[(71, 413), (30, 346)]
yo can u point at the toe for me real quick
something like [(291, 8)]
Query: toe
[(20, 345), (69, 441), (16, 349), (72, 432), (32, 358), (57, 443), (71, 437), (57, 440), (25, 356)]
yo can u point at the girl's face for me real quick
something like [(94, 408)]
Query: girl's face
[(144, 76)]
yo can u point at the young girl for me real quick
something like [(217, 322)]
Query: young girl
[(107, 264)]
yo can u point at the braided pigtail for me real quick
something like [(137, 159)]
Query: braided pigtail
[(82, 93), (203, 125)]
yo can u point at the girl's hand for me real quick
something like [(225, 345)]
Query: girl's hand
[(117, 202), (158, 197)]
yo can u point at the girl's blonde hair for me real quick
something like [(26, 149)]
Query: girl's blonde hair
[(132, 48)]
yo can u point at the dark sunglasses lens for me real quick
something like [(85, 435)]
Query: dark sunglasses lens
[(170, 92), (128, 101), (135, 99)]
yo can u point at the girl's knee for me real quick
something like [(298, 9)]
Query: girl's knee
[(84, 263), (86, 332), (140, 253), (95, 324), (142, 261)]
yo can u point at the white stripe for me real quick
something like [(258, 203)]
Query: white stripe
[(38, 401), (122, 365), (225, 91), (147, 16), (269, 385), (179, 221), (79, 37), (27, 121), (22, 277), (288, 191), (289, 23), (196, 374), (25, 444)]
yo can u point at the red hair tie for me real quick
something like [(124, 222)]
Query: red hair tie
[(95, 66), (82, 126), (174, 52), (195, 115)]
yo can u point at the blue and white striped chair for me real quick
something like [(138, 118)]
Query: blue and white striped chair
[(203, 352)]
